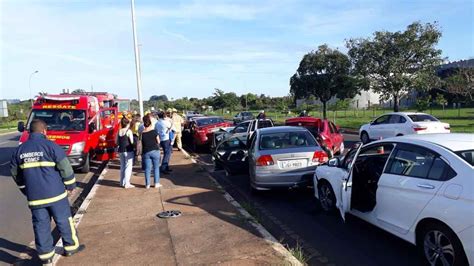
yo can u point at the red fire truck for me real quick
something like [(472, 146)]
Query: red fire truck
[(84, 126)]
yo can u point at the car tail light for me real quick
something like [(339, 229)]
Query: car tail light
[(419, 128), (320, 157), (265, 160)]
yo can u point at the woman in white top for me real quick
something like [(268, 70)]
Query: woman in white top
[(126, 152)]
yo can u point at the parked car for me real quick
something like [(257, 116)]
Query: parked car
[(400, 124), (189, 118), (231, 155), (244, 129), (242, 116), (202, 129), (417, 187), (325, 132), (283, 157)]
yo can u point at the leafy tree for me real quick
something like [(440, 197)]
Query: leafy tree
[(397, 62), (78, 91), (324, 73), (423, 103), (440, 100), (158, 98), (461, 83)]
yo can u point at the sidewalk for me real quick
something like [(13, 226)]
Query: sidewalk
[(120, 226)]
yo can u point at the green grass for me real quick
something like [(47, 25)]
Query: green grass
[(460, 121), (252, 211), (298, 253)]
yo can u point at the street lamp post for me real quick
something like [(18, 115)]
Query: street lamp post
[(137, 59), (29, 85)]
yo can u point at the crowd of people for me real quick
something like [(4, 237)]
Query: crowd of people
[(144, 137)]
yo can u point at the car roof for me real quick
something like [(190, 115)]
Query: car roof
[(303, 119), (405, 113), (452, 141), (207, 117), (281, 129)]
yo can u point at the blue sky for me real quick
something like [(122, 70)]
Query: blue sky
[(188, 48)]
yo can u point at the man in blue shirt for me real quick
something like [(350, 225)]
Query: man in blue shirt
[(163, 127)]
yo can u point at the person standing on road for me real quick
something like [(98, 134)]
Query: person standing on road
[(163, 128), (126, 152), (178, 123), (151, 152), (44, 175)]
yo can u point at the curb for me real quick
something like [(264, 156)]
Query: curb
[(277, 246), (79, 215)]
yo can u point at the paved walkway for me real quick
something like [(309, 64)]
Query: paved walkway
[(120, 226)]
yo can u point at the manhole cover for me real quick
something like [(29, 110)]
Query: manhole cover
[(169, 214)]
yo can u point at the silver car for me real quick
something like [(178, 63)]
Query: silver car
[(283, 157)]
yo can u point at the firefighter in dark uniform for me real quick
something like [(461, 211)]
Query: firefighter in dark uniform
[(43, 173)]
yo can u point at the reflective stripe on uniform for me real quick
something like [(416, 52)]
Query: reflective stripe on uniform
[(22, 187), (37, 164), (70, 182), (48, 200), (46, 255), (74, 237)]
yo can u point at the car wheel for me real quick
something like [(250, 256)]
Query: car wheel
[(327, 199), (439, 245), (87, 165), (364, 137)]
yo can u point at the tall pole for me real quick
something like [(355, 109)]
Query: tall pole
[(29, 85), (137, 60)]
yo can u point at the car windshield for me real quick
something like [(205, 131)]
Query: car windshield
[(209, 121), (286, 140), (422, 118), (67, 120), (467, 155)]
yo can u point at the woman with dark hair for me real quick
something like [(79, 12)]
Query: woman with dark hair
[(150, 152), (126, 152)]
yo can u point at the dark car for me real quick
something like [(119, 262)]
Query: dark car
[(231, 155)]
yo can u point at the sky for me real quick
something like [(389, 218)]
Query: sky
[(188, 48)]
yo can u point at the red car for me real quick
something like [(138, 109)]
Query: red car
[(203, 128), (323, 130)]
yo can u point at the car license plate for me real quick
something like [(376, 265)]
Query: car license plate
[(292, 164)]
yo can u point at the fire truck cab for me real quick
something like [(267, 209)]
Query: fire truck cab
[(80, 124)]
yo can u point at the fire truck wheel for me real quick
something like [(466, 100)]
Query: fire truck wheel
[(87, 165)]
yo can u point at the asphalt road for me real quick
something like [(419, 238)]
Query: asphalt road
[(16, 231), (293, 218)]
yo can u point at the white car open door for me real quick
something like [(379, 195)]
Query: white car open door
[(346, 191)]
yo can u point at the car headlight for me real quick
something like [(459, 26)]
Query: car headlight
[(77, 148)]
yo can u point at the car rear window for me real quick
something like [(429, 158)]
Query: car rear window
[(286, 140), (209, 121), (265, 123), (467, 155), (422, 118)]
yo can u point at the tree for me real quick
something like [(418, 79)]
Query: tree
[(157, 98), (460, 83), (324, 73), (397, 62), (78, 91), (441, 100)]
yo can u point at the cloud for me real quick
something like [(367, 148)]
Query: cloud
[(177, 36), (205, 10)]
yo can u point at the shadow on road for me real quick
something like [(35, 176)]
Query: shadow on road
[(7, 246)]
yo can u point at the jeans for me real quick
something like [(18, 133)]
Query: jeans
[(166, 146), (41, 217), (152, 159), (126, 165)]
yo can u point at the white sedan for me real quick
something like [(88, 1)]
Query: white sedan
[(400, 124), (419, 188)]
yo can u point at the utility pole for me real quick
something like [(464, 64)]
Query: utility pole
[(29, 85), (137, 59)]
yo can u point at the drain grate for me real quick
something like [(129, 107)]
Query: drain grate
[(169, 214)]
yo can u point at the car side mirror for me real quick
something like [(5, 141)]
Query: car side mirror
[(334, 162), (92, 127), (21, 126)]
